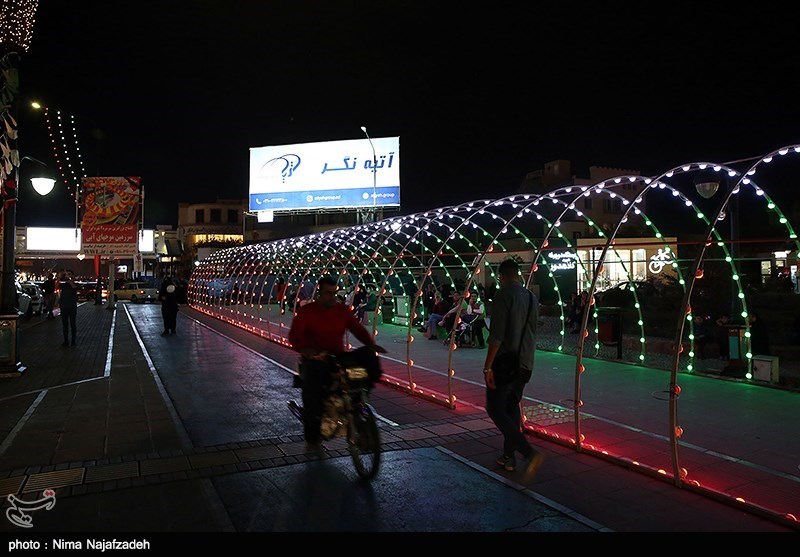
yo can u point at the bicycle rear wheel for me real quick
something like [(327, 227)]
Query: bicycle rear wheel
[(363, 441)]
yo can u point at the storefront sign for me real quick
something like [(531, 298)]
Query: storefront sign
[(562, 260)]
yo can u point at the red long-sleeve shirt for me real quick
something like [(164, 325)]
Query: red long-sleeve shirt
[(322, 328)]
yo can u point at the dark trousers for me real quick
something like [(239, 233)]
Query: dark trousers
[(49, 302), (69, 322), (502, 405), (316, 376), (476, 327), (170, 320)]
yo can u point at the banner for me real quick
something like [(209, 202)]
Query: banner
[(110, 215)]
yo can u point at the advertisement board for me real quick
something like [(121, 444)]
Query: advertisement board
[(350, 174), (110, 215)]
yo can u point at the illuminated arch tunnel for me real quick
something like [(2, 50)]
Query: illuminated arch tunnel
[(259, 287)]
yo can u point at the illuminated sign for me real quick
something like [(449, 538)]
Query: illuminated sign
[(562, 260), (52, 239), (327, 175), (659, 261), (110, 218), (69, 240)]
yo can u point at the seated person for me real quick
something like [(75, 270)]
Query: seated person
[(448, 320), (359, 297), (474, 317), (442, 305), (367, 304)]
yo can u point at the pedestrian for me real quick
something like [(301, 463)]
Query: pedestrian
[(49, 291), (68, 304), (509, 363), (169, 306), (98, 292), (759, 335), (721, 334)]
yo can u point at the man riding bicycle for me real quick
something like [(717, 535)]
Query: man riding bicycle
[(317, 332)]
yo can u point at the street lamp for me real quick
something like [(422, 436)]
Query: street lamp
[(374, 175), (43, 186), (8, 291), (707, 184), (16, 31)]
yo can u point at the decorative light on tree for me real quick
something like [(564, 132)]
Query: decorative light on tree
[(16, 23)]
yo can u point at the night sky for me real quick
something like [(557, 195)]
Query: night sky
[(178, 91)]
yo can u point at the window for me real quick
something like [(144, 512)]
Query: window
[(639, 264), (612, 205), (216, 215), (233, 215), (199, 216), (587, 203)]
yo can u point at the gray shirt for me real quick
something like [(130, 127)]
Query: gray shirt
[(509, 310)]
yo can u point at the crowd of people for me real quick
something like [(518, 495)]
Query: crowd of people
[(443, 306)]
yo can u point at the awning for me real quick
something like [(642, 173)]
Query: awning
[(174, 248)]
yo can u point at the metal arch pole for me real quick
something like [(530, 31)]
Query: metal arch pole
[(374, 176)]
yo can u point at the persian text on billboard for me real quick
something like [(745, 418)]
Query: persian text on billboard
[(110, 215), (346, 174)]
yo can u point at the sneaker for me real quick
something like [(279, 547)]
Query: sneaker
[(507, 462), (532, 465)]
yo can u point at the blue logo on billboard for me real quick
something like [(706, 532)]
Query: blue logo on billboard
[(285, 165)]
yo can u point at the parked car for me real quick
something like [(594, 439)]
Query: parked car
[(87, 290), (23, 300), (136, 292), (36, 305)]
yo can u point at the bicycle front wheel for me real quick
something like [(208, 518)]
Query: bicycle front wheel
[(363, 441)]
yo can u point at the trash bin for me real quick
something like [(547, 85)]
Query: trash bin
[(737, 365), (401, 310), (609, 327), (387, 312)]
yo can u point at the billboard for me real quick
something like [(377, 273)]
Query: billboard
[(53, 240), (110, 219), (328, 175)]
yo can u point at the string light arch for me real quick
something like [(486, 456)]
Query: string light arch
[(457, 245)]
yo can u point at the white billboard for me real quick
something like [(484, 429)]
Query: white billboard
[(52, 239), (67, 240), (326, 175)]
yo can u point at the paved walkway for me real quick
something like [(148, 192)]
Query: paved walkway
[(136, 432), (624, 416)]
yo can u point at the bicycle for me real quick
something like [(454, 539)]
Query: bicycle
[(348, 413)]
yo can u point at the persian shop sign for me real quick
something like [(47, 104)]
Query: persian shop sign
[(562, 260)]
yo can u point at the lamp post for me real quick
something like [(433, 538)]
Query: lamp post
[(16, 32), (707, 184), (9, 337), (374, 175)]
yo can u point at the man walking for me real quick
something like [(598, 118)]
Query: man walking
[(512, 338), (49, 290), (68, 302)]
